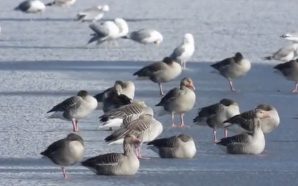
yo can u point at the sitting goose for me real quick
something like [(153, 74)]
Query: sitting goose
[(116, 163), (65, 152), (247, 143), (244, 121), (181, 146), (233, 67), (214, 115), (74, 108), (290, 71), (179, 100), (160, 72)]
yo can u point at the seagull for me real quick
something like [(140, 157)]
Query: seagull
[(119, 164), (285, 54), (181, 146), (290, 36), (247, 143), (160, 72), (179, 100), (185, 50), (93, 14), (233, 67), (74, 108), (63, 3), (31, 6), (290, 71), (244, 122), (214, 115), (145, 36), (66, 152)]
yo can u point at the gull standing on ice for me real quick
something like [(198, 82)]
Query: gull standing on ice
[(179, 100), (160, 72), (31, 6), (185, 50), (292, 36), (214, 115), (66, 152), (93, 14), (233, 67), (181, 146), (123, 164), (75, 108), (290, 71), (63, 3), (284, 54), (145, 36)]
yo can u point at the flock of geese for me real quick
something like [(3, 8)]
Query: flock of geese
[(133, 122)]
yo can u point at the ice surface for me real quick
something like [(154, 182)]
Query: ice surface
[(44, 59)]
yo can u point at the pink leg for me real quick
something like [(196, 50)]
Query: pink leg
[(231, 86), (182, 120), (295, 90), (214, 136), (173, 118), (226, 132), (77, 126), (160, 89), (64, 173), (74, 127)]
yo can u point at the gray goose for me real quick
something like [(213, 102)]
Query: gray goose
[(160, 72), (74, 108), (244, 121), (290, 71), (214, 115), (125, 163), (233, 67), (247, 143), (179, 100), (66, 152), (181, 146), (31, 6)]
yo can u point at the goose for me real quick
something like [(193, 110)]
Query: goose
[(145, 36), (214, 115), (66, 152), (290, 71), (93, 14), (31, 6), (74, 108), (181, 146), (179, 100), (233, 67), (62, 3), (247, 143), (160, 72), (285, 54), (185, 50), (120, 164)]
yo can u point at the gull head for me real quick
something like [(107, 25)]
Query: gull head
[(188, 38), (104, 8)]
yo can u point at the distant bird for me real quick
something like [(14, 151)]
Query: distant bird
[(181, 146), (62, 3), (293, 36), (66, 152), (114, 118), (74, 108), (233, 67), (185, 50), (108, 31), (145, 36), (284, 54), (123, 164), (160, 72), (247, 143), (214, 115), (290, 71), (31, 6), (179, 100), (93, 14), (146, 128), (244, 122)]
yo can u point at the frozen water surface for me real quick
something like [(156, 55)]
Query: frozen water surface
[(44, 59)]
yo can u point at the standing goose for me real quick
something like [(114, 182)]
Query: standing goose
[(181, 146), (74, 108), (247, 143), (31, 6), (160, 72), (214, 115), (125, 163), (244, 121), (233, 67), (114, 118), (62, 3), (179, 100), (145, 36), (290, 71), (185, 50), (284, 54), (93, 14), (65, 152)]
